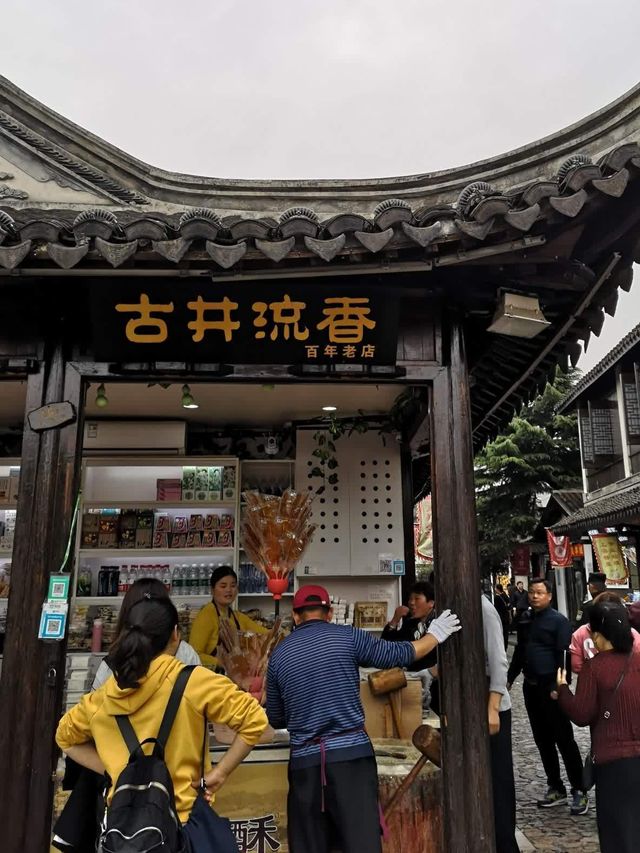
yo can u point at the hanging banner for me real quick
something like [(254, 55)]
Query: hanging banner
[(577, 551), (256, 323), (610, 559), (559, 550), (520, 560)]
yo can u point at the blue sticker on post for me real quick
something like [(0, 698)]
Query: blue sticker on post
[(59, 587), (53, 621), (398, 567)]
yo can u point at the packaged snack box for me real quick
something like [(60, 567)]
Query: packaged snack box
[(160, 540), (194, 539), (229, 483), (178, 540), (202, 484), (209, 539), (225, 539), (144, 538), (226, 522), (215, 484), (180, 524), (163, 523), (196, 522), (188, 484)]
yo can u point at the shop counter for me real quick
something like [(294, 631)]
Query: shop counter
[(255, 799)]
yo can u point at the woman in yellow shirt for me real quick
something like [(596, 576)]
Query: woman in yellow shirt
[(204, 631), (145, 670)]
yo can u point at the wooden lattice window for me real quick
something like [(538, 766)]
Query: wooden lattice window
[(600, 415), (631, 408), (586, 439)]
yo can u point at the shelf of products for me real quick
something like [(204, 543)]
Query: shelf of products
[(165, 505)]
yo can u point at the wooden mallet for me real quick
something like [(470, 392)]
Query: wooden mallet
[(387, 682), (426, 740)]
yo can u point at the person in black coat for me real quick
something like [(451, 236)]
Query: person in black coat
[(502, 605), (597, 584)]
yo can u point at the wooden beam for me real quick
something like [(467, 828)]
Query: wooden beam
[(466, 784), (33, 671)]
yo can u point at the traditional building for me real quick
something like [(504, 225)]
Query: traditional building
[(481, 279), (607, 402)]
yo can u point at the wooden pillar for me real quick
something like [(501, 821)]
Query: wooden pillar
[(467, 798), (33, 670)]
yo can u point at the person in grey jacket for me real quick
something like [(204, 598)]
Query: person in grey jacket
[(499, 711)]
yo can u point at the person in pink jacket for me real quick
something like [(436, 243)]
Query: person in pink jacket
[(582, 647)]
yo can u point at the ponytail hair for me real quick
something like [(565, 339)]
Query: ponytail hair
[(612, 621), (145, 634)]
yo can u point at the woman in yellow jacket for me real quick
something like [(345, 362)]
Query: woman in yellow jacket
[(145, 670), (204, 631)]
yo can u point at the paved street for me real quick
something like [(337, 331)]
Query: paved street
[(546, 829)]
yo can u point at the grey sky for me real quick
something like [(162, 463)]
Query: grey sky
[(325, 88)]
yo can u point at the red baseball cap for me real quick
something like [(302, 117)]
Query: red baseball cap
[(311, 596)]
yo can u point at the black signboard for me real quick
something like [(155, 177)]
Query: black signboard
[(289, 323)]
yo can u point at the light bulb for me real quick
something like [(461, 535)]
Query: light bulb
[(101, 398), (187, 398)]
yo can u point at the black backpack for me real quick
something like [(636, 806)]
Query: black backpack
[(142, 816)]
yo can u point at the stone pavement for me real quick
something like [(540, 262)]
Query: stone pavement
[(553, 830)]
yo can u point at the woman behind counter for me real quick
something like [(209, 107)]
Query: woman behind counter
[(204, 631)]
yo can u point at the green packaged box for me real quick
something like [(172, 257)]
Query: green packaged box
[(188, 484)]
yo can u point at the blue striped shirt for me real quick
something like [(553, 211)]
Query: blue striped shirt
[(313, 688)]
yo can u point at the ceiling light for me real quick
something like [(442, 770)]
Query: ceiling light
[(519, 316), (101, 398), (187, 399), (329, 408)]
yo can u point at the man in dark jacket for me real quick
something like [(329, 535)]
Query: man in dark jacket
[(597, 584), (412, 622), (543, 639)]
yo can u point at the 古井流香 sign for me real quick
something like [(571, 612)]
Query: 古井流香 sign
[(210, 322)]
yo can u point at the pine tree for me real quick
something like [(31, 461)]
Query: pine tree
[(537, 452)]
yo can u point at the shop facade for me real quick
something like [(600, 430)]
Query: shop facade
[(428, 288), (607, 526)]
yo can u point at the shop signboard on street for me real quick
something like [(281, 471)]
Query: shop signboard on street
[(257, 324), (610, 559)]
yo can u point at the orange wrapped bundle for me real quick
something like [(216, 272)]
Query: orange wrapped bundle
[(245, 656), (276, 532)]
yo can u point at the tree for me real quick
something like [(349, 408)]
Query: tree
[(537, 453)]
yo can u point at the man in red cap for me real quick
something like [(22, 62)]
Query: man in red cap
[(313, 690)]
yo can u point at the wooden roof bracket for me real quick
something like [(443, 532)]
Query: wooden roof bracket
[(557, 337)]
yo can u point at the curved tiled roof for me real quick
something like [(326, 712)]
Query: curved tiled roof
[(605, 512), (559, 218)]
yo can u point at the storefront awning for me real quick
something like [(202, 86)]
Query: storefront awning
[(605, 512)]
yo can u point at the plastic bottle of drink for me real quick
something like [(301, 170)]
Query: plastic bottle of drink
[(96, 636), (203, 579), (194, 579), (166, 577), (177, 581), (123, 580), (210, 570), (133, 575)]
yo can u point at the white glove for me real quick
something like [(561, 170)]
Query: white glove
[(444, 626)]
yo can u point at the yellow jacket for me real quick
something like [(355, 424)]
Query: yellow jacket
[(204, 632), (207, 695)]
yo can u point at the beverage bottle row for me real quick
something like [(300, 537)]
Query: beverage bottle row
[(184, 579)]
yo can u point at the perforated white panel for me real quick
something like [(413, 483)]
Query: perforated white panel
[(361, 517)]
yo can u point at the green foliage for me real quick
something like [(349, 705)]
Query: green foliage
[(536, 453)]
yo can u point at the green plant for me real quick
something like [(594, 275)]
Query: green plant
[(332, 428)]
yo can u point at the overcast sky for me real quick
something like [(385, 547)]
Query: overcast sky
[(325, 88)]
